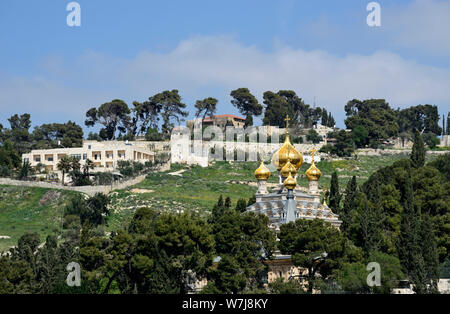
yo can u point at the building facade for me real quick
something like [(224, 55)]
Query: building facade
[(105, 155), (221, 121)]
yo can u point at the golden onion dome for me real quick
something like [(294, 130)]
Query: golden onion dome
[(288, 169), (287, 152), (313, 173), (262, 173), (290, 183)]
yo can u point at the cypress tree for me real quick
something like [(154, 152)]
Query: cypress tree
[(418, 151), (349, 205), (335, 196), (429, 253), (443, 124), (448, 124), (409, 246), (324, 117), (217, 210), (228, 202), (220, 201), (331, 121), (370, 221), (251, 200), (241, 205)]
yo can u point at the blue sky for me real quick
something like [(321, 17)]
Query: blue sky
[(130, 50)]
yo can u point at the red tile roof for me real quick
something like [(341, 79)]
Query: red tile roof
[(225, 116)]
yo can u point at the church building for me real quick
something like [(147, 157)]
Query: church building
[(287, 202)]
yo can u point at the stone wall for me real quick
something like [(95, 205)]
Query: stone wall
[(200, 152), (89, 190), (445, 141), (380, 152)]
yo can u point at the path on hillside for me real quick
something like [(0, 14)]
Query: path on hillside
[(89, 190)]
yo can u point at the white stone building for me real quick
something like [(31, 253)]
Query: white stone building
[(105, 155)]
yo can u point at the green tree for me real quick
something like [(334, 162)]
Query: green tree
[(335, 195), (64, 165), (247, 104), (55, 135), (324, 117), (206, 107), (313, 136), (241, 205), (9, 159), (429, 253), (19, 134), (360, 136), (244, 242), (25, 170), (409, 249), (171, 108), (424, 118), (375, 115), (418, 151), (431, 139), (113, 115), (349, 205), (313, 244)]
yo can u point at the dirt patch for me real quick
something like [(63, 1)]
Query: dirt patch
[(177, 173), (48, 197), (141, 191)]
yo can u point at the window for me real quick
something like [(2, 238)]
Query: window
[(84, 156), (76, 156), (89, 146)]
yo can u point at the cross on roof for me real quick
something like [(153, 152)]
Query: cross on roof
[(287, 121)]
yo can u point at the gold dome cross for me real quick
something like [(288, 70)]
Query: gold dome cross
[(287, 122)]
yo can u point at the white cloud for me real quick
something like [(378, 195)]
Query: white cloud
[(422, 25), (201, 66)]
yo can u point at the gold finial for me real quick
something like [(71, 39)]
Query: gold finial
[(287, 124), (287, 151), (262, 173), (313, 150), (313, 173), (288, 169), (325, 197), (290, 183)]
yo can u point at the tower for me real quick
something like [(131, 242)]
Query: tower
[(262, 174), (313, 174)]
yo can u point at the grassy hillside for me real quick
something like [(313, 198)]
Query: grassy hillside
[(26, 209), (195, 188), (198, 188)]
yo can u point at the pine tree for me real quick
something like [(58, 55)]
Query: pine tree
[(335, 196), (409, 246), (418, 151), (349, 204)]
